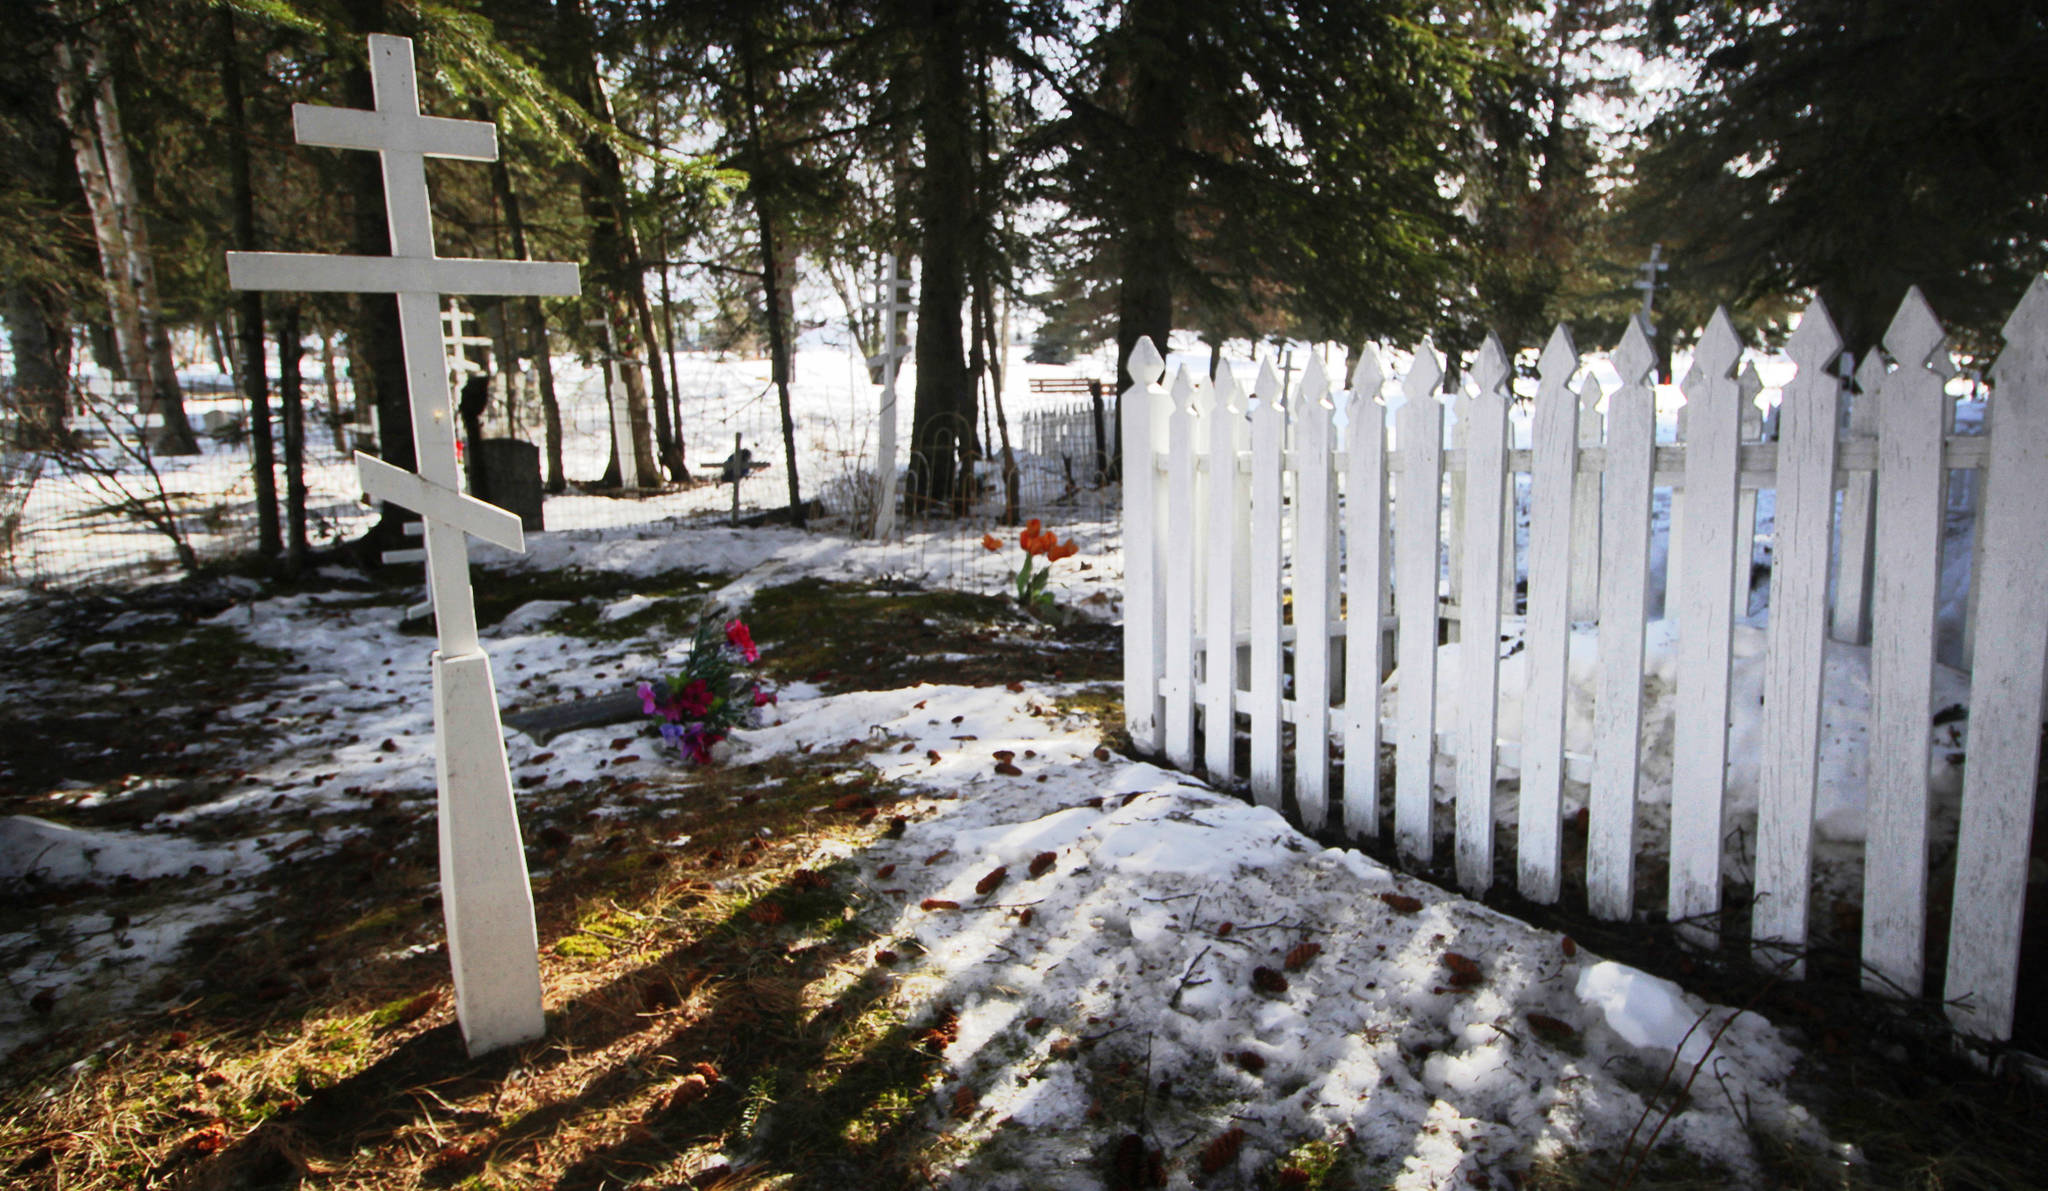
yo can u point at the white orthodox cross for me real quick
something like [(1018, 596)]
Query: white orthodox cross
[(1650, 269), (458, 325), (486, 898)]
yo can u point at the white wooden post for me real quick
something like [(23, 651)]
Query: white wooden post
[(1454, 518), (1418, 508), (1859, 501), (1144, 628), (1176, 525), (1365, 584), (2007, 687), (1796, 639), (488, 904), (1486, 477), (1624, 596), (1705, 610), (1269, 424), (1748, 385), (1553, 494), (894, 302), (1914, 416), (1219, 737), (1315, 507)]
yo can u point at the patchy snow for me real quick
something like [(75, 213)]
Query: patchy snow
[(1161, 932)]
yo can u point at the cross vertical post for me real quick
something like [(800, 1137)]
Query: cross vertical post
[(486, 898), (894, 301)]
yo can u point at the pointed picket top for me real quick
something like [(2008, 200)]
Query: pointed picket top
[(1720, 348), (1560, 358), (1229, 394), (1915, 334), (1146, 366), (1635, 357), (1816, 343), (1183, 392), (1870, 373), (1315, 382), (1749, 386), (1368, 377), (1492, 371), (1267, 387), (1424, 375), (2026, 337)]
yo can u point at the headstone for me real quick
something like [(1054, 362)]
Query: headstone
[(508, 475), (487, 901)]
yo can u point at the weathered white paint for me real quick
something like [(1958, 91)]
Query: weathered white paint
[(1365, 578), (1144, 627), (1315, 504), (2007, 687), (1624, 596), (1220, 619), (1585, 563), (1705, 608), (1912, 416), (1269, 424), (1553, 495), (1748, 385), (1418, 505), (1174, 522), (1479, 651), (487, 900), (1796, 638), (894, 302)]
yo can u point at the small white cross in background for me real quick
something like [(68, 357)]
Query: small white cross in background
[(492, 943)]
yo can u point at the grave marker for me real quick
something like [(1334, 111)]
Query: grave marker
[(492, 943)]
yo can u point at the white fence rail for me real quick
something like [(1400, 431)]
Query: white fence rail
[(1243, 529)]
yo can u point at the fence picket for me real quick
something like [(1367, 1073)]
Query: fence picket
[(1269, 424), (1418, 506), (1220, 623), (1365, 584), (1553, 495), (1624, 597), (1144, 630), (1177, 528), (1699, 764), (2007, 679), (1486, 478), (1913, 414), (1859, 499), (1315, 500), (1796, 639)]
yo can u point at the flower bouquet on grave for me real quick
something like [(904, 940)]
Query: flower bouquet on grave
[(1030, 581), (714, 693)]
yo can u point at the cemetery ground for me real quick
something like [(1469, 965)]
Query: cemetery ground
[(930, 926)]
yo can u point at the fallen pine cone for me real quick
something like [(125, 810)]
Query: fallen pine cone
[(1222, 1151), (1464, 970), (1299, 957), (1041, 862), (1401, 902), (1268, 981), (988, 884), (937, 903)]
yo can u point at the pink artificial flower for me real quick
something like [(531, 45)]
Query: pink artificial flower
[(737, 635), (764, 698), (646, 693), (694, 699)]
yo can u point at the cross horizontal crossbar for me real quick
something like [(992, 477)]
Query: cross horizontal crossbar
[(434, 502), (434, 136), (316, 274)]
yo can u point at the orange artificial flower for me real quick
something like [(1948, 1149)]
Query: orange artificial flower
[(1066, 549), (991, 543)]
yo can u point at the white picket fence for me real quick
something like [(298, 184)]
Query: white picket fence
[(1238, 541)]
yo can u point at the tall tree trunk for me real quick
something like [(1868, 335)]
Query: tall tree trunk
[(161, 394), (123, 319), (249, 303), (335, 430), (536, 324), (291, 393), (376, 337), (771, 289), (1151, 189), (614, 257), (942, 415), (41, 348)]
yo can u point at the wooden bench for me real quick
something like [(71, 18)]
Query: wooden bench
[(1075, 385)]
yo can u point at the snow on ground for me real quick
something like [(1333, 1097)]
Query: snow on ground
[(1264, 981), (1173, 928)]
